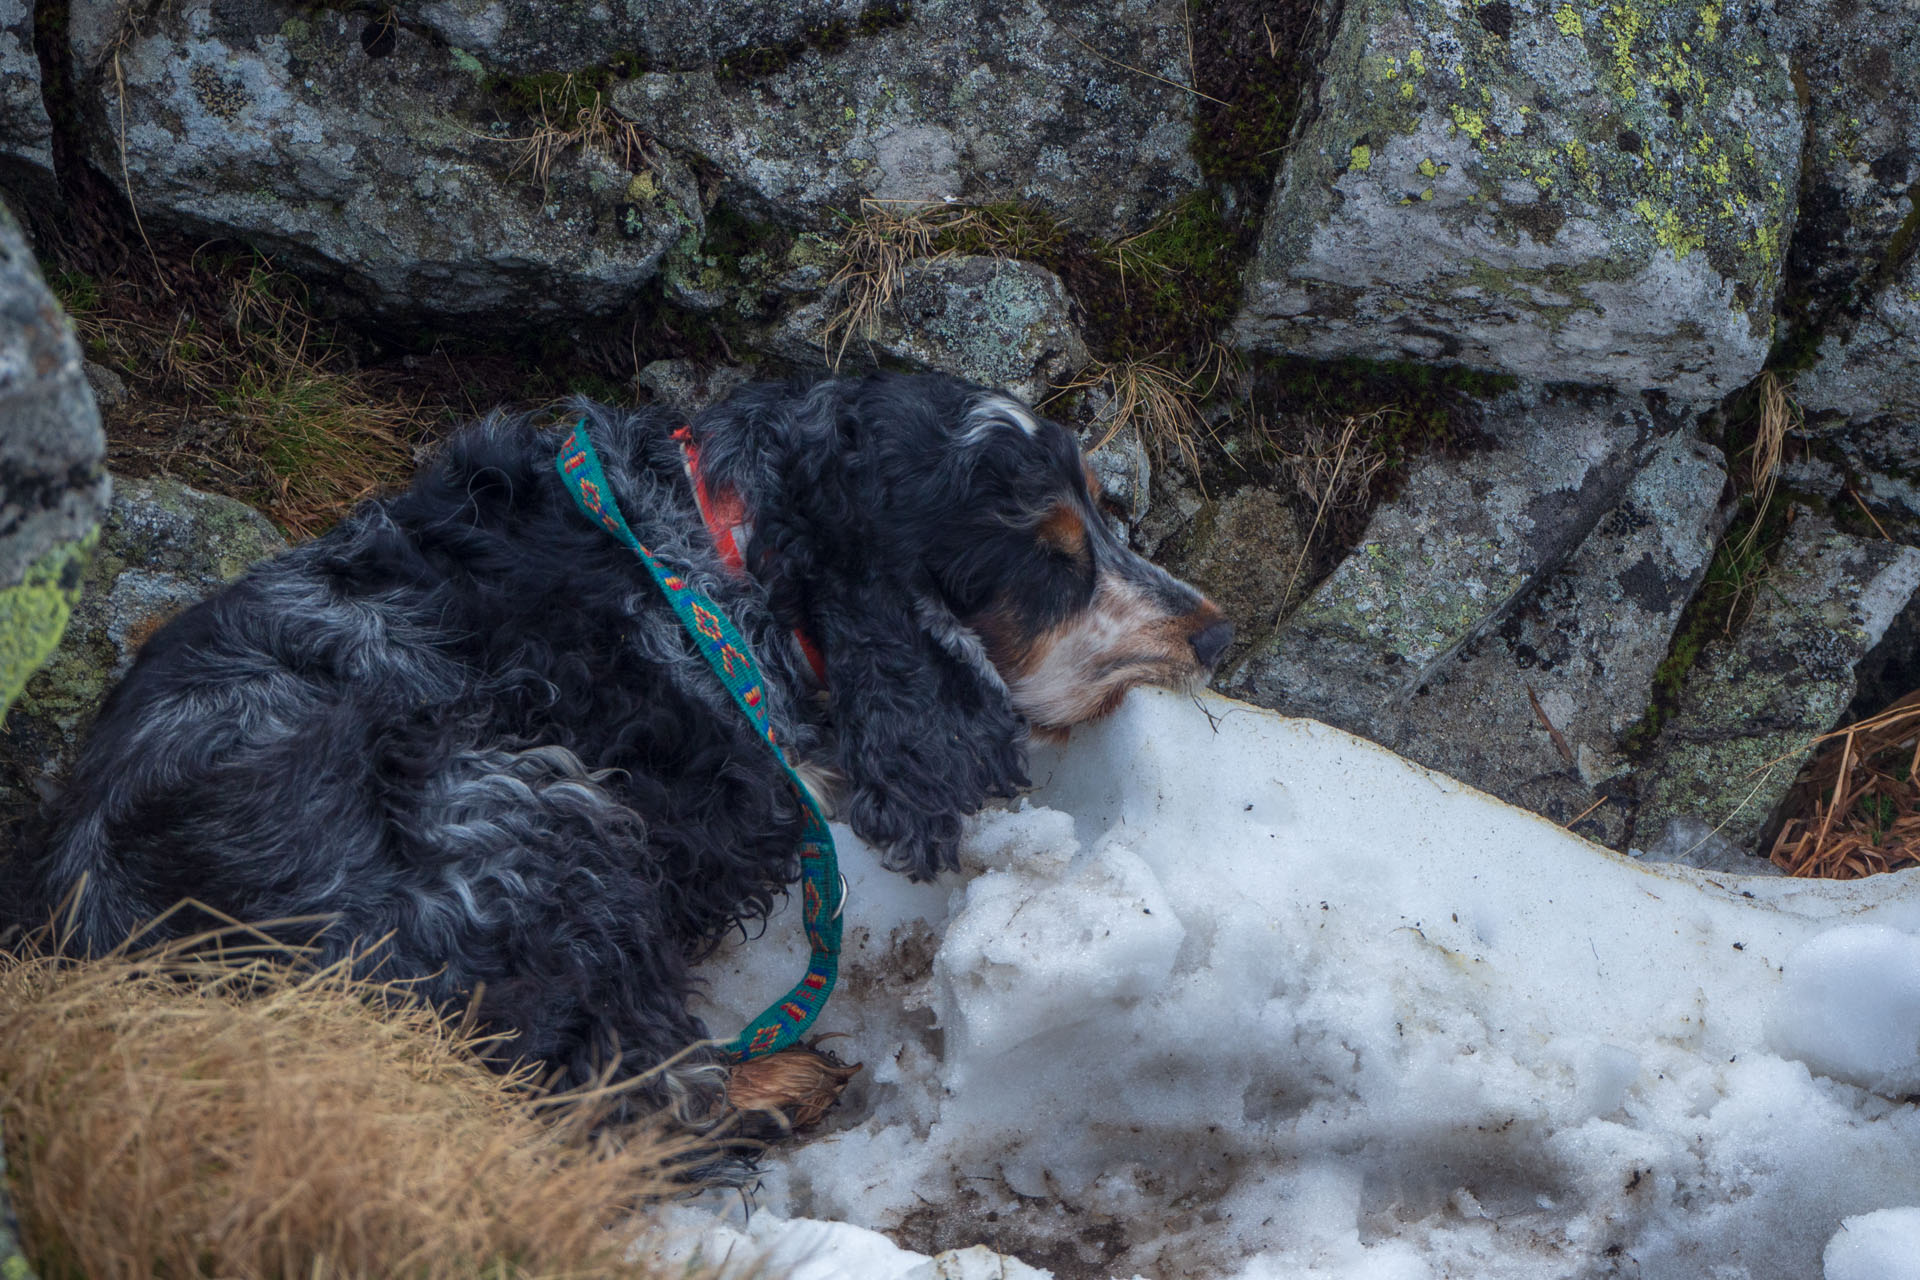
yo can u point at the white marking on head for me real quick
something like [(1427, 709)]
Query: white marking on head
[(990, 413)]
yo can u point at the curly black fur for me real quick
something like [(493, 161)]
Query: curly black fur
[(463, 738)]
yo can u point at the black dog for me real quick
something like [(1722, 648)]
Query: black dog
[(464, 729)]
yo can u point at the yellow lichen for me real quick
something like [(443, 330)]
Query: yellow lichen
[(1624, 24), (33, 614), (1426, 168), (1569, 21), (1668, 231), (1471, 123), (1362, 159), (1710, 22)]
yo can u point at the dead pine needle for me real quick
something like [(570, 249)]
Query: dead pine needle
[(1855, 811), (175, 1113)]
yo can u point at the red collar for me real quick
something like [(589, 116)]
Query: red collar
[(730, 526)]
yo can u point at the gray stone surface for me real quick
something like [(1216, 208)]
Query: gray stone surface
[(52, 490), (1875, 372), (26, 133), (380, 172), (1585, 644), (1752, 704), (1860, 63), (163, 547), (1584, 192), (964, 100), (1243, 549), (518, 36), (1443, 565), (686, 386), (1120, 463), (995, 321)]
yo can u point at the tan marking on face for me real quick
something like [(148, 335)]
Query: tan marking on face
[(1064, 530), (1081, 669)]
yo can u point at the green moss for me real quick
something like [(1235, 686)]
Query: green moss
[(1251, 63), (34, 614)]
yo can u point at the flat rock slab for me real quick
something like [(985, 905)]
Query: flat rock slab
[(995, 321), (1750, 707), (163, 547), (1535, 710), (52, 488), (1446, 561), (1597, 193), (365, 155), (1074, 107)]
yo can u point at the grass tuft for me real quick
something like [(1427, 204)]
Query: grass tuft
[(879, 243), (1155, 399), (282, 415), (213, 1113), (567, 115)]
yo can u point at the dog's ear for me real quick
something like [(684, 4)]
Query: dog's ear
[(927, 730)]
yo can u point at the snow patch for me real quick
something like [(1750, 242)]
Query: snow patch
[(1237, 997)]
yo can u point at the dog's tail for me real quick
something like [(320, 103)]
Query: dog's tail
[(74, 896)]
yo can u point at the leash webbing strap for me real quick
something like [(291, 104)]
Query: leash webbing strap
[(726, 651)]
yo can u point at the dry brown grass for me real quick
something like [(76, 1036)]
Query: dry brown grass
[(258, 378), (885, 236), (1777, 414), (1157, 401), (567, 118), (1334, 468), (1858, 814), (172, 1114)]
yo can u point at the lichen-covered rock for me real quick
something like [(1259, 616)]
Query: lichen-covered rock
[(361, 151), (1073, 106), (163, 547), (1578, 654), (995, 321), (1445, 562), (52, 489), (26, 132), (1751, 706), (1580, 191), (1860, 63)]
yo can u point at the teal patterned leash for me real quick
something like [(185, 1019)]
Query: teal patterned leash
[(786, 1020)]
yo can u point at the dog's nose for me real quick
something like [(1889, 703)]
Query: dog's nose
[(1209, 644)]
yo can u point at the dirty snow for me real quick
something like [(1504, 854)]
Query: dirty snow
[(1232, 996)]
